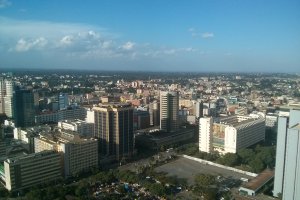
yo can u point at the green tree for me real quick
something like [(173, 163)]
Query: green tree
[(257, 165), (157, 189), (35, 194), (3, 192), (229, 159), (204, 180), (246, 155)]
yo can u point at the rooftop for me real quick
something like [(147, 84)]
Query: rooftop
[(256, 183)]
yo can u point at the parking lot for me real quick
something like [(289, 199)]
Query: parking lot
[(186, 168)]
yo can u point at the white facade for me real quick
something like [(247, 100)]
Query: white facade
[(6, 94), (78, 154), (239, 132), (90, 116), (79, 126), (287, 168), (205, 136), (271, 121)]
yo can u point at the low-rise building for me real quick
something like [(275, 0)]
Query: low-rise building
[(30, 170), (78, 154), (231, 133), (83, 128)]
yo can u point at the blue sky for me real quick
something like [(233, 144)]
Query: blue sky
[(144, 35)]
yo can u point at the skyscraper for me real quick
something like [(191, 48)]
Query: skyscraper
[(23, 107), (114, 129), (205, 136), (169, 107), (63, 101), (287, 168), (6, 95), (154, 113)]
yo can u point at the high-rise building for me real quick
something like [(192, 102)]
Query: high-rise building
[(154, 113), (6, 95), (23, 108), (199, 109), (114, 129), (287, 168), (63, 101), (205, 136), (30, 170), (169, 107)]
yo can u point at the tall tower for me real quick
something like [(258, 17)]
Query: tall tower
[(23, 108), (287, 168), (63, 101), (154, 113), (205, 134), (169, 107), (6, 94), (114, 129), (2, 94)]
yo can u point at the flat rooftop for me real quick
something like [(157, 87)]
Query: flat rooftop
[(260, 180)]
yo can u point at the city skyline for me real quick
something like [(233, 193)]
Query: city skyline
[(226, 36)]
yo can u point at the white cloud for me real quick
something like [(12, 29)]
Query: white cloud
[(207, 35), (204, 35), (68, 41), (4, 3), (26, 45), (128, 45)]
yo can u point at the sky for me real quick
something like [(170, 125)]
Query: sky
[(151, 35)]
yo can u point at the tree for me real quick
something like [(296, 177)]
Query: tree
[(157, 189), (246, 155), (204, 180), (35, 194), (229, 159), (3, 192), (257, 165)]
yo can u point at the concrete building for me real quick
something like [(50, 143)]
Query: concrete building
[(154, 113), (271, 121), (205, 134), (6, 97), (63, 101), (70, 113), (81, 127), (78, 154), (90, 116), (141, 119), (114, 129), (199, 109), (30, 170), (287, 168), (23, 108), (253, 187), (231, 133), (27, 135), (169, 107), (158, 139)]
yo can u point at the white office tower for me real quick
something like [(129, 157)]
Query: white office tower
[(90, 116), (6, 94), (1, 96), (169, 107), (205, 134), (287, 168)]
